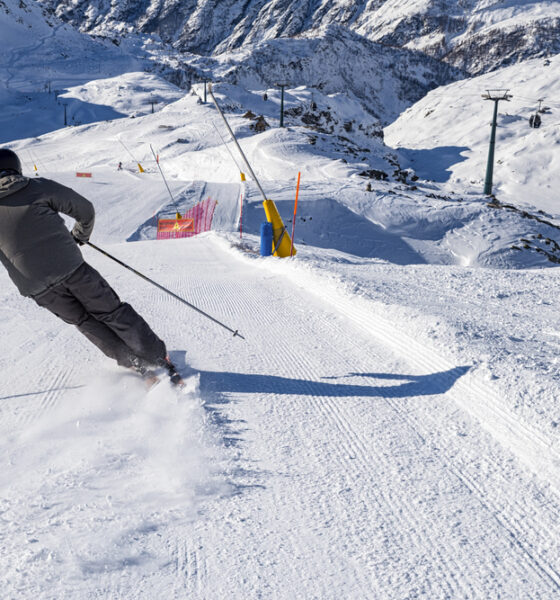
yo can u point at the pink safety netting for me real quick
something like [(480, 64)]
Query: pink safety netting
[(196, 220)]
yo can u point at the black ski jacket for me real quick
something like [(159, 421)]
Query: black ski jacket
[(36, 247)]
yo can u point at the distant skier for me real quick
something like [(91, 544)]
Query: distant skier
[(44, 262), (119, 168)]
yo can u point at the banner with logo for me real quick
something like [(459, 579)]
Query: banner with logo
[(196, 220)]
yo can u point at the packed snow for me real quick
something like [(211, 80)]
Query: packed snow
[(389, 428)]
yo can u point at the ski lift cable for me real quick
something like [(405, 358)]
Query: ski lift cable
[(234, 139), (165, 181), (227, 147), (514, 98), (126, 148)]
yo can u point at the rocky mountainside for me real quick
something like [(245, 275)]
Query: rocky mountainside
[(33, 42), (473, 35), (332, 60), (384, 80)]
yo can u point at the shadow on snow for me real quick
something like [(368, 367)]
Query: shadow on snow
[(326, 223), (408, 386), (434, 163)]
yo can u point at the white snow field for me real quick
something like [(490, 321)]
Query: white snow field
[(389, 427), (445, 136)]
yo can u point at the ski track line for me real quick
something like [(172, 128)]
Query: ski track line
[(469, 393), (310, 509), (327, 502), (360, 463), (514, 514), (541, 567), (30, 409), (354, 447), (190, 566), (513, 517), (343, 427), (61, 375), (290, 539), (517, 528)]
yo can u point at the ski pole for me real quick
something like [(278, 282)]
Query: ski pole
[(235, 332), (210, 91)]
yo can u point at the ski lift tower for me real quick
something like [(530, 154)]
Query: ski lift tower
[(205, 79), (495, 96), (282, 86)]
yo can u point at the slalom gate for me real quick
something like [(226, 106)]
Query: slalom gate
[(196, 220)]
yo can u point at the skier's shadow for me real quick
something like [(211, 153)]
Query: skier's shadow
[(216, 389), (408, 386)]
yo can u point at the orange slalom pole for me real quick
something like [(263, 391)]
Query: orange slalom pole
[(295, 211)]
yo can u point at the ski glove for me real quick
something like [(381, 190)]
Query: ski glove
[(78, 241), (79, 236)]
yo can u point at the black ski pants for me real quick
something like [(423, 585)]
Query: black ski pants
[(86, 300)]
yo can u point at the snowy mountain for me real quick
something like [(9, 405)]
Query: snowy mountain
[(447, 134), (389, 426), (385, 80), (34, 42), (473, 35)]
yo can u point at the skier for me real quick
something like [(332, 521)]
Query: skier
[(119, 168), (44, 262)]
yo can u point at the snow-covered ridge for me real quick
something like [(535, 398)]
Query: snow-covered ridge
[(385, 80), (476, 35)]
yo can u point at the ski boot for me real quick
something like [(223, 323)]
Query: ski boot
[(172, 373), (148, 375)]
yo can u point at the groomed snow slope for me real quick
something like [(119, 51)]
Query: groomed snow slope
[(388, 429), (326, 456)]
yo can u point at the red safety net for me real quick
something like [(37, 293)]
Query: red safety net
[(195, 221)]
